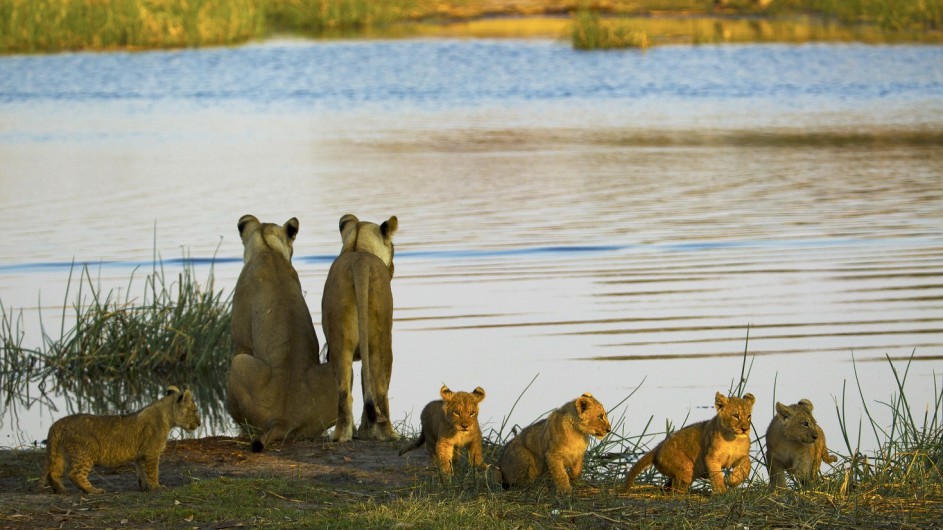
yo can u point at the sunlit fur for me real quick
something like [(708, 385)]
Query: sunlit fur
[(78, 442)]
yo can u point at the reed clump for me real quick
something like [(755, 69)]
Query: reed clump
[(592, 32)]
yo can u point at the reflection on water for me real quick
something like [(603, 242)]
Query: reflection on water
[(603, 220)]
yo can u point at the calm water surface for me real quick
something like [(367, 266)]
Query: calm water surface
[(600, 221)]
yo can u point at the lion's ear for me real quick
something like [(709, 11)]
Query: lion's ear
[(479, 393), (244, 222), (291, 228), (171, 390), (748, 397), (783, 410), (446, 393), (720, 401), (806, 404), (348, 228), (389, 226), (584, 402)]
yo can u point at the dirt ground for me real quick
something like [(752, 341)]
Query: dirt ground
[(358, 465)]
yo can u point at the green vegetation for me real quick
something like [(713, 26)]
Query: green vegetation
[(54, 25), (121, 352)]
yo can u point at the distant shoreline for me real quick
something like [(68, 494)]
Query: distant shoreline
[(50, 26)]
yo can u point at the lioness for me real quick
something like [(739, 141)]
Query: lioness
[(795, 443), (357, 317), (705, 449), (80, 441), (553, 445), (448, 424), (277, 385)]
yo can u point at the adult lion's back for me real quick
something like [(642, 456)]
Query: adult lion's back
[(357, 318), (276, 385)]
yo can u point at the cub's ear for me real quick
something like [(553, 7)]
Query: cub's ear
[(389, 226), (446, 393), (749, 398), (479, 393), (783, 410), (720, 401), (171, 390), (806, 404), (244, 223), (584, 402), (348, 227), (186, 396), (291, 228)]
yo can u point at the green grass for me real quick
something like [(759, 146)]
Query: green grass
[(118, 352), (54, 25)]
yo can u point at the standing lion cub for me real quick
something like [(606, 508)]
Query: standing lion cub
[(80, 441), (705, 449), (795, 443), (448, 424), (554, 445)]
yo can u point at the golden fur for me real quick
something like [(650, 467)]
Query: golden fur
[(357, 317), (448, 424), (554, 445), (277, 386), (795, 443), (705, 449), (79, 442)]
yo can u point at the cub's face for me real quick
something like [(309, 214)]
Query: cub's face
[(185, 412), (735, 413), (369, 237), (593, 417), (259, 237), (461, 408), (798, 423)]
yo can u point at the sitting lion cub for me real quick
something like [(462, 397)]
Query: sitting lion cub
[(553, 445), (448, 424), (795, 443), (80, 441), (705, 449)]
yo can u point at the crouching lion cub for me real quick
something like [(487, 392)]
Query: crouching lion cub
[(705, 449), (80, 441), (795, 443), (553, 445), (448, 424)]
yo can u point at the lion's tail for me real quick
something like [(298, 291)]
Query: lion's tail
[(361, 276), (415, 445), (643, 463)]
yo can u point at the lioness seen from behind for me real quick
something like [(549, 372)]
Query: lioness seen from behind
[(705, 449), (448, 424), (277, 387), (357, 318), (79, 442)]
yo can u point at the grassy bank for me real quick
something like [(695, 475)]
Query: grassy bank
[(54, 25)]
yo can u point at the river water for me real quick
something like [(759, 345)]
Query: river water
[(609, 222)]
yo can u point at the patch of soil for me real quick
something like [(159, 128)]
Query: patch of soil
[(357, 465)]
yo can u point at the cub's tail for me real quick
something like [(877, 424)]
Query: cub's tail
[(643, 463), (415, 445)]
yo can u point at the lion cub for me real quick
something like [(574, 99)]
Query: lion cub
[(80, 441), (795, 443), (448, 424), (553, 445), (705, 449)]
